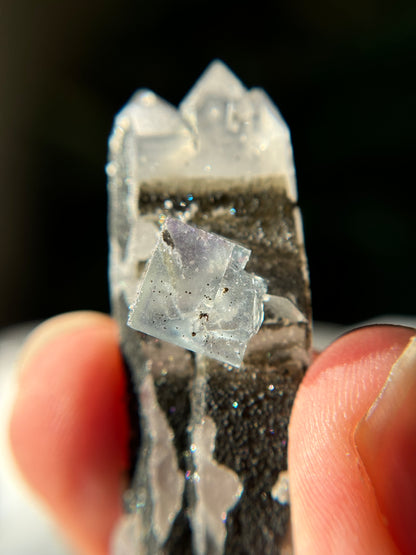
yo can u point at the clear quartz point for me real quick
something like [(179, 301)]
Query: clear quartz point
[(207, 257)]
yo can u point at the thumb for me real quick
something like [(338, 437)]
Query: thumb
[(352, 469)]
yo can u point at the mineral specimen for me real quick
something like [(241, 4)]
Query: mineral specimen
[(192, 192), (196, 294)]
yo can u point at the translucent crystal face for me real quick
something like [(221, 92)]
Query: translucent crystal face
[(221, 129), (195, 293)]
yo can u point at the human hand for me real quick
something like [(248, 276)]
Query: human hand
[(352, 478)]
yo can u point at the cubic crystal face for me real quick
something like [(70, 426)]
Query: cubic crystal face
[(196, 294)]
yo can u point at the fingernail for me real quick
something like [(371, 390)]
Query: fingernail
[(386, 442)]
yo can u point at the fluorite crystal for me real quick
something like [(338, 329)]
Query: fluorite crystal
[(207, 257), (196, 294)]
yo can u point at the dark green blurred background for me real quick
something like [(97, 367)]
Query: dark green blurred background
[(340, 72)]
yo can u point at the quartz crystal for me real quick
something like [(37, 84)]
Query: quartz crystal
[(209, 286)]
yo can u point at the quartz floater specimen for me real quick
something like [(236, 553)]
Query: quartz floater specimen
[(210, 288)]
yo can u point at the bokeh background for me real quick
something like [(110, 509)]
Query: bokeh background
[(341, 73)]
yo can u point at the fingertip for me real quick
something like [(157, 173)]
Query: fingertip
[(69, 425), (334, 509), (388, 433), (45, 334), (358, 344)]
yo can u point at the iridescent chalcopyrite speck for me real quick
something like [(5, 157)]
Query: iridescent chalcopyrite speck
[(209, 286)]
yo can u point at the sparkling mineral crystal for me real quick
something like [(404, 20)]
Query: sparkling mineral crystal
[(196, 294), (209, 286)]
